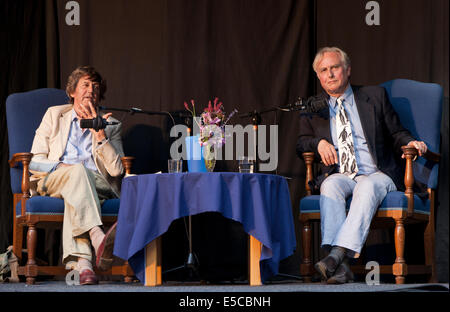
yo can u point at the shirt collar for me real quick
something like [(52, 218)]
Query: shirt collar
[(346, 97), (74, 115), (76, 120)]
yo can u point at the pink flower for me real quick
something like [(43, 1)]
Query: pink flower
[(212, 115), (209, 108), (217, 106)]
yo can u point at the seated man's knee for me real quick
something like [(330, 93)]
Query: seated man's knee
[(330, 185), (78, 169), (79, 166), (366, 186)]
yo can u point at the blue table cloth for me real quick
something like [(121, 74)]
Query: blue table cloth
[(150, 202)]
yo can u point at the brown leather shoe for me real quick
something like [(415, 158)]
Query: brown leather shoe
[(326, 267), (88, 277), (105, 250), (342, 275)]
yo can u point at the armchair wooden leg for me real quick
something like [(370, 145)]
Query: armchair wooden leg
[(18, 241), (399, 268), (128, 273), (17, 230), (306, 268), (31, 269)]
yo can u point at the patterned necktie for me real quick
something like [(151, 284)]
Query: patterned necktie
[(347, 159)]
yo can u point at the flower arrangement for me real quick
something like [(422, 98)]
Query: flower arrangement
[(211, 123)]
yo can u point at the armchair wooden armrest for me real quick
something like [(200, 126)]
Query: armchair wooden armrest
[(25, 159), (432, 156), (127, 162), (20, 157), (411, 155), (309, 160)]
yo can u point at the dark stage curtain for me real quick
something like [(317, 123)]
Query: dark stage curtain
[(155, 55), (252, 54), (411, 41), (29, 60)]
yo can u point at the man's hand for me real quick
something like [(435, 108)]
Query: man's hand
[(100, 134), (419, 145), (327, 152), (88, 111)]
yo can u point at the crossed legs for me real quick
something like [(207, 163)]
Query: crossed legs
[(82, 191)]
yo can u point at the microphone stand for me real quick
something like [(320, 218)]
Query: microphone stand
[(191, 263), (133, 110), (256, 120)]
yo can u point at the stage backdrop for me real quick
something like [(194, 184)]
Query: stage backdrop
[(252, 54)]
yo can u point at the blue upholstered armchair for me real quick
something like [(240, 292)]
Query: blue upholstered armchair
[(419, 106), (24, 112)]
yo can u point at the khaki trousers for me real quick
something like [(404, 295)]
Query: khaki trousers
[(83, 191)]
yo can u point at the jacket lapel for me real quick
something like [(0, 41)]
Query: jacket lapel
[(324, 128), (326, 125), (65, 123), (366, 113)]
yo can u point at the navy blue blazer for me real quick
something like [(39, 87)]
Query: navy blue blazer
[(382, 128)]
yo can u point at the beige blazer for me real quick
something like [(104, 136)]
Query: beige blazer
[(51, 139)]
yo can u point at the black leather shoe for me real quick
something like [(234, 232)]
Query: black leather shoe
[(326, 267), (342, 275)]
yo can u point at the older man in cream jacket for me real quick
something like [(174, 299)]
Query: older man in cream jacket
[(81, 166)]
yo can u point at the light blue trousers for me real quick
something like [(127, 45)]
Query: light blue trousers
[(350, 231)]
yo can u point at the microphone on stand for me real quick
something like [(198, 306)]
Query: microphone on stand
[(299, 104), (96, 123), (313, 104), (132, 110), (183, 115)]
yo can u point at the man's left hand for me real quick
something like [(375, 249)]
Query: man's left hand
[(100, 135), (419, 145), (91, 112)]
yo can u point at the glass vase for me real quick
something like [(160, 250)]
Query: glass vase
[(210, 157)]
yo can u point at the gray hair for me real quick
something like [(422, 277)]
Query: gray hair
[(80, 72), (344, 57)]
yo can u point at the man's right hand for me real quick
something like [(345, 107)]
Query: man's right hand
[(327, 152)]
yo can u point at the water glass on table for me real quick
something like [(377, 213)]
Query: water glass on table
[(175, 165), (246, 165)]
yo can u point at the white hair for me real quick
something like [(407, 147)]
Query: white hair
[(344, 57)]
